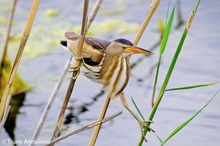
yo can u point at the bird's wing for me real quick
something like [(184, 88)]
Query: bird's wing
[(71, 36), (99, 44), (93, 50), (96, 43)]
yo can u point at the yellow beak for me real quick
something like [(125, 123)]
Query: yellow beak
[(137, 50)]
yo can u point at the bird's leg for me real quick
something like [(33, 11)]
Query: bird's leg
[(142, 124), (76, 67)]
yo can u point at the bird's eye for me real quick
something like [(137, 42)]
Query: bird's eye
[(124, 47)]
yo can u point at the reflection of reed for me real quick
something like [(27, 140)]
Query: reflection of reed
[(76, 109)]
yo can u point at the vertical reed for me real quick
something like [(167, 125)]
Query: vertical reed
[(15, 65), (150, 13), (60, 80), (75, 72)]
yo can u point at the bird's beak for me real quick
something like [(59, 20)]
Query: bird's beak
[(137, 50)]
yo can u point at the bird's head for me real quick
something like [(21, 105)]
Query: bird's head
[(126, 48)]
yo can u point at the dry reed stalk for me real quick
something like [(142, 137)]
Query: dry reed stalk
[(19, 55), (75, 72), (8, 30), (60, 80), (84, 128), (7, 107), (6, 112), (50, 101), (150, 13), (101, 117), (94, 12)]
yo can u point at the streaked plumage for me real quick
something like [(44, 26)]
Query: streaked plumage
[(105, 62)]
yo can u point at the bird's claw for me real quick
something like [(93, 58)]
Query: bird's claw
[(75, 69), (144, 125), (76, 66), (72, 69)]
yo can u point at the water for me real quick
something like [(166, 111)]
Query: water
[(198, 63)]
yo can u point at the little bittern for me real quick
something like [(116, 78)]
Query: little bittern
[(106, 62)]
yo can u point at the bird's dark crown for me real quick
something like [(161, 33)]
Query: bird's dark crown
[(124, 41)]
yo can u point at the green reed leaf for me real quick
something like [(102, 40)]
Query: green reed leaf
[(189, 120), (191, 87)]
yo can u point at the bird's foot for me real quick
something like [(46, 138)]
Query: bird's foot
[(143, 125), (75, 68), (72, 68)]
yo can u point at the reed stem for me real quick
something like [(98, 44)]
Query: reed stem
[(50, 101), (153, 7), (84, 128), (75, 73), (9, 29), (149, 15), (19, 55), (60, 80), (6, 107), (101, 117)]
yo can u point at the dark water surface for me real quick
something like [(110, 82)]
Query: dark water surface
[(44, 60)]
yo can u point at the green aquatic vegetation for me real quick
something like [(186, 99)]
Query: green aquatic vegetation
[(119, 26), (18, 86), (3, 20), (51, 13), (48, 37), (181, 126), (18, 89), (163, 89)]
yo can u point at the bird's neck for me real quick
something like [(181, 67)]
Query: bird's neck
[(115, 74)]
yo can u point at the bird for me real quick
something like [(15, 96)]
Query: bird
[(106, 62)]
